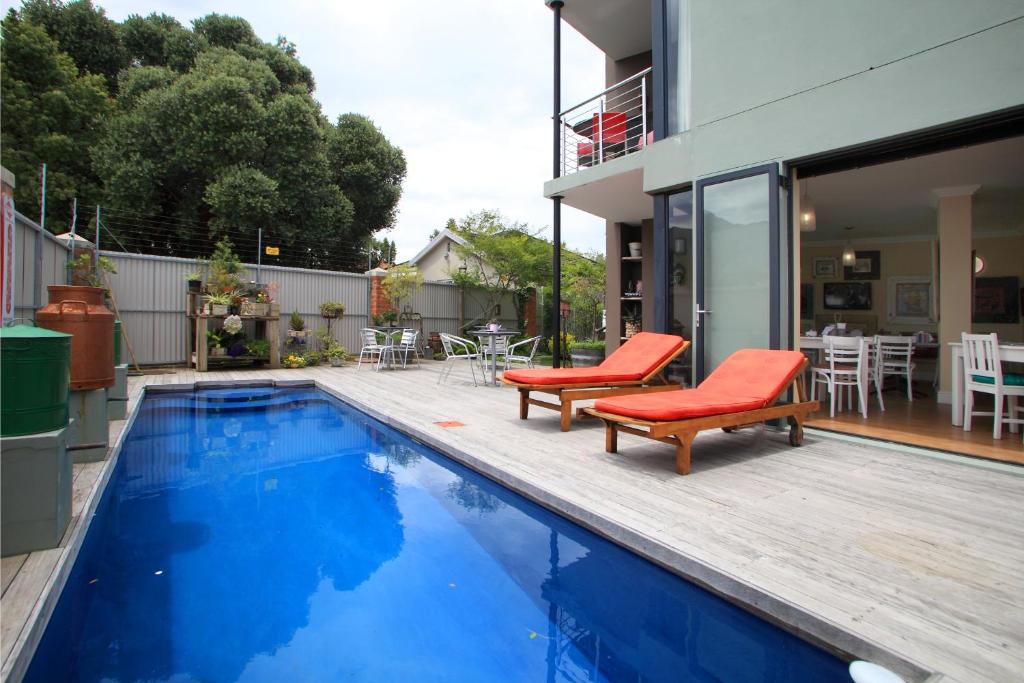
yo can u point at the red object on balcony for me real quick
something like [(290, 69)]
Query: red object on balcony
[(612, 127), (585, 153)]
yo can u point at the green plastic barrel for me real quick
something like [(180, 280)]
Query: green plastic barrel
[(35, 378), (117, 342)]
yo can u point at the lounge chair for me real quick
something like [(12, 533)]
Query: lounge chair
[(742, 391), (631, 369)]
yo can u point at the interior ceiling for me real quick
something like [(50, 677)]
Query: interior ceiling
[(619, 28), (620, 197), (897, 200)]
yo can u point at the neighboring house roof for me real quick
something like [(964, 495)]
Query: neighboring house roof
[(441, 237)]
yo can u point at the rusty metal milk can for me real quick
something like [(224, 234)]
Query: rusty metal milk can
[(80, 312)]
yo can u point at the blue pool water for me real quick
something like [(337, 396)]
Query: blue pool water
[(280, 535)]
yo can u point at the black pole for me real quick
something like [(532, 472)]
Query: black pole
[(556, 222)]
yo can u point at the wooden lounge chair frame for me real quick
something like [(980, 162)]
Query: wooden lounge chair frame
[(681, 433), (577, 391)]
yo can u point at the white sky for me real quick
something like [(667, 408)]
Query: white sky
[(464, 88)]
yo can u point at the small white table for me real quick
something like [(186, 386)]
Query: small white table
[(491, 347), (1008, 353)]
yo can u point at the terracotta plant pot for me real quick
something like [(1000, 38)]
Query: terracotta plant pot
[(81, 312)]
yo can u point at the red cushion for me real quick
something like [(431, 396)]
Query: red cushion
[(676, 405), (754, 373), (641, 354), (584, 376)]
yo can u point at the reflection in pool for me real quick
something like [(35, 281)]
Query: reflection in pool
[(280, 535)]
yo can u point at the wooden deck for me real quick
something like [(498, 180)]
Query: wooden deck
[(904, 558)]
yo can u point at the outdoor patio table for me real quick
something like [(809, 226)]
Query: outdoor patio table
[(494, 357), (389, 340)]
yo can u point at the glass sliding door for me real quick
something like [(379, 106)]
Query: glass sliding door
[(737, 265), (680, 279)]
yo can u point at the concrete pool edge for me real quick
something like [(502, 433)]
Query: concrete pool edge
[(792, 618)]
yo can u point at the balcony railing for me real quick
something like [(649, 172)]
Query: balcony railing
[(608, 125)]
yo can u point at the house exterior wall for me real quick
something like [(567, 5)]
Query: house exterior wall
[(435, 264), (783, 80)]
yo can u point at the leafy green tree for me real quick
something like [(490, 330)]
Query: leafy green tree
[(50, 114), (368, 169), (502, 258), (583, 279), (212, 131), (84, 32), (401, 284), (159, 40)]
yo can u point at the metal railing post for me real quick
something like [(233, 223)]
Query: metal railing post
[(259, 254), (643, 112), (600, 130)]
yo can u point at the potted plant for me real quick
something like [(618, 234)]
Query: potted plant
[(215, 343), (587, 353), (195, 281), (332, 309), (218, 303), (225, 270), (260, 302), (293, 361), (236, 299), (389, 317), (336, 355), (296, 326), (258, 348)]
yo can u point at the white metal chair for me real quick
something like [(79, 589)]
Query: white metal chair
[(456, 349), (372, 346), (894, 357), (522, 352), (406, 346), (983, 371), (845, 368)]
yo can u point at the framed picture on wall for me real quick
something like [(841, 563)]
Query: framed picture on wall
[(826, 268), (807, 302), (847, 296), (867, 265), (996, 300), (910, 300)]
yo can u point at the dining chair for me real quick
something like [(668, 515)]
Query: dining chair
[(522, 352), (844, 369), (875, 378), (456, 349), (895, 355), (983, 371), (372, 346), (406, 346)]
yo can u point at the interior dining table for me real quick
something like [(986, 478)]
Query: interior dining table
[(1009, 352)]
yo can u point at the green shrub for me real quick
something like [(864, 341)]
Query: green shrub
[(587, 344)]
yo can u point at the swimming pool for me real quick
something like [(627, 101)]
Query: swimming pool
[(277, 534)]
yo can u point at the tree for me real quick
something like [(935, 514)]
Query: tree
[(583, 277), (82, 31), (50, 114), (368, 169), (212, 131), (159, 40), (502, 259), (401, 284)]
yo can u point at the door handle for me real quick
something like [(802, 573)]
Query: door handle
[(701, 311)]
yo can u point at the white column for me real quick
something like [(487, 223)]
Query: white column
[(954, 277)]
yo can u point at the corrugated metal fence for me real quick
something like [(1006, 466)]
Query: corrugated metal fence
[(150, 295)]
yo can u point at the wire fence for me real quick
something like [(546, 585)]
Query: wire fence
[(137, 233)]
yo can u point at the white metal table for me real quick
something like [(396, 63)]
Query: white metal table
[(493, 335)]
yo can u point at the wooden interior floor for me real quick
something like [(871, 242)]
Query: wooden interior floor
[(923, 422)]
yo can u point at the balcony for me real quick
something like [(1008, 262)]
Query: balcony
[(612, 124)]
